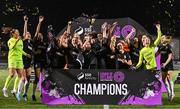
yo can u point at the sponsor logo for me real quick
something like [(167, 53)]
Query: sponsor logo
[(110, 76), (86, 76), (80, 76)]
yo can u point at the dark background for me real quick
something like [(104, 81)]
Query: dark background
[(59, 12)]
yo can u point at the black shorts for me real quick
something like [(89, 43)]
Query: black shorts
[(40, 65), (168, 67), (27, 64)]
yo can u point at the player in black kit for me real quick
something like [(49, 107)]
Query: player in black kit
[(28, 48), (39, 49), (167, 65), (123, 59), (57, 52), (134, 46), (74, 48), (90, 60)]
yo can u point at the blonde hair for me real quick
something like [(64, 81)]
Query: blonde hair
[(168, 39)]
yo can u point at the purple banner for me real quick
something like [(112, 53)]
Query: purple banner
[(116, 87)]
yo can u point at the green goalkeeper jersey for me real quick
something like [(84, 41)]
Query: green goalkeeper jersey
[(15, 50), (148, 54)]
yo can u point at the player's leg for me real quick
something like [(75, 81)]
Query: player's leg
[(21, 74), (37, 75), (27, 82), (15, 85), (166, 83), (11, 72), (170, 75)]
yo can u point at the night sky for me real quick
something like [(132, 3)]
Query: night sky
[(59, 12)]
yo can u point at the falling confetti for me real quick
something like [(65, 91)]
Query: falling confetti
[(18, 8), (14, 7), (5, 13), (160, 2), (9, 10), (164, 11), (36, 11)]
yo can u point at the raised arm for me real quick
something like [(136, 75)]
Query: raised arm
[(140, 60), (41, 18), (104, 30), (69, 28), (63, 40), (113, 44), (157, 41), (25, 25), (112, 28), (84, 44)]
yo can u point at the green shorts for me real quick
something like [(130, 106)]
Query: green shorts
[(16, 64)]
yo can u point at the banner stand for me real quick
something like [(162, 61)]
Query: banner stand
[(105, 106)]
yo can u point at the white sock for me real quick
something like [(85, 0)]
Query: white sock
[(172, 87), (25, 84), (4, 88), (20, 86), (167, 85)]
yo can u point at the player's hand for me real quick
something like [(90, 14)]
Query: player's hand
[(163, 65), (25, 18), (66, 67), (18, 38), (112, 57), (104, 26), (133, 67), (115, 23), (70, 22), (158, 26), (28, 55), (41, 18), (124, 61)]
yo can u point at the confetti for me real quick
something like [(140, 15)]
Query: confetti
[(166, 12), (36, 11), (14, 7), (5, 13), (9, 10)]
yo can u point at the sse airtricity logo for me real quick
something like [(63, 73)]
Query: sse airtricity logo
[(80, 76), (86, 76)]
